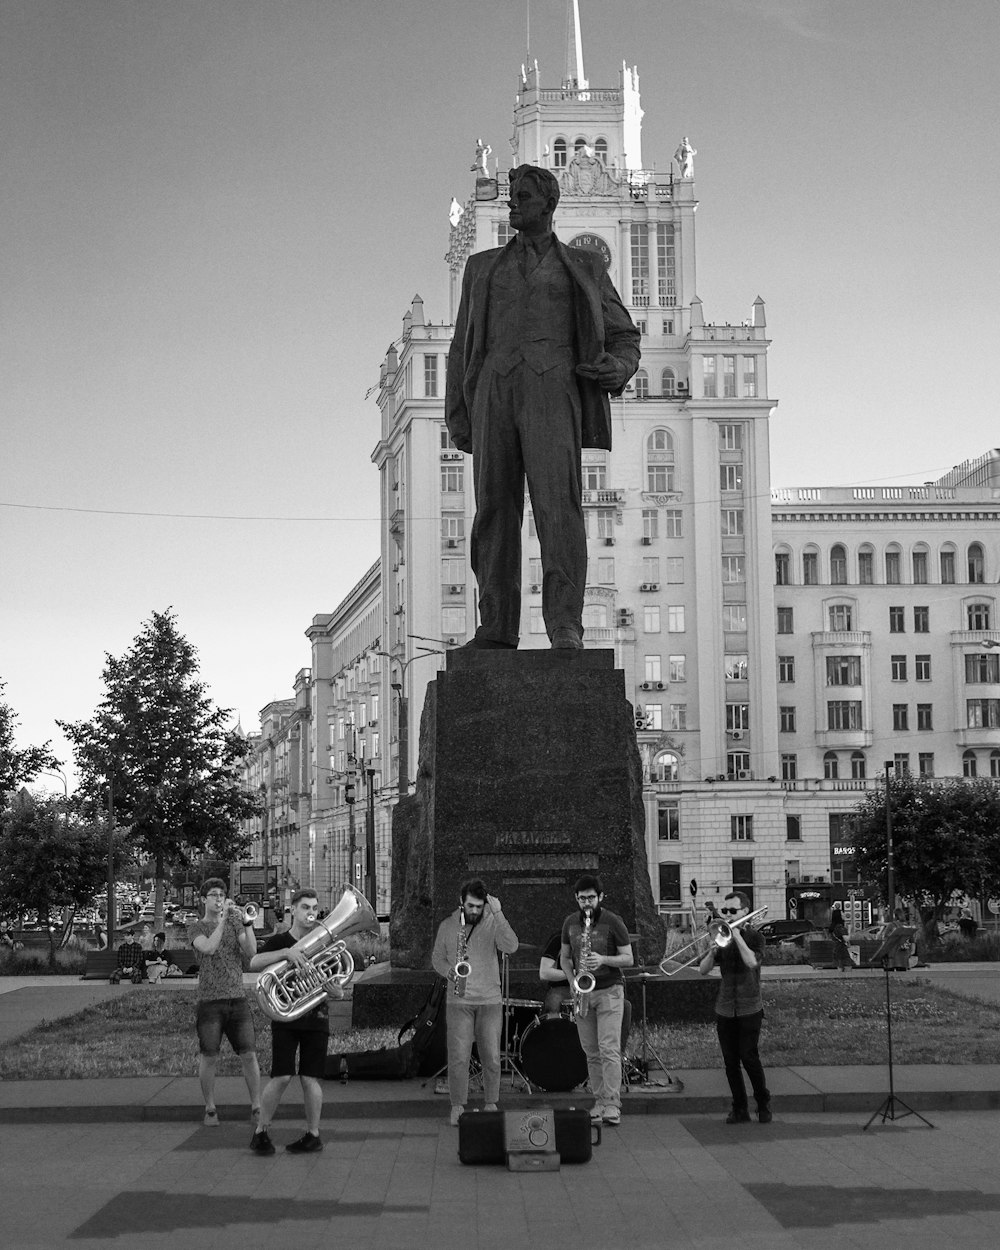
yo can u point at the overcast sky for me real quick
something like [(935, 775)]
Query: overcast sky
[(216, 212)]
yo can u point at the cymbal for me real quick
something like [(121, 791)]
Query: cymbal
[(528, 946)]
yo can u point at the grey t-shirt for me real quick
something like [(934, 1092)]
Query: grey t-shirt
[(220, 975)]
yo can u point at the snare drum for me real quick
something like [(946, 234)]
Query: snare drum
[(551, 1056)]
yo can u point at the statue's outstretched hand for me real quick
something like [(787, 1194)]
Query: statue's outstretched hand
[(606, 371)]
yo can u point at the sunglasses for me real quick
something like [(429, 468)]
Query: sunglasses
[(729, 911)]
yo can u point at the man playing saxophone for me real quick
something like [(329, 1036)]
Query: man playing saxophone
[(595, 941), (465, 952), (307, 1035)]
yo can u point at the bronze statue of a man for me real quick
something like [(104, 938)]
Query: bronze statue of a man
[(541, 340)]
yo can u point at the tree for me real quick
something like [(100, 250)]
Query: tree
[(157, 738), (945, 838), (50, 857), (18, 766)]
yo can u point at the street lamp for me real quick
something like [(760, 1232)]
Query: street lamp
[(403, 780), (890, 890)]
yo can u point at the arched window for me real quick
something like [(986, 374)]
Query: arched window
[(660, 462), (978, 615), (831, 767), (601, 150), (810, 566), (666, 767), (859, 769), (919, 564), (668, 382), (976, 569), (969, 764), (641, 383), (782, 567), (866, 565), (995, 763), (595, 616), (893, 562), (559, 154), (838, 564)]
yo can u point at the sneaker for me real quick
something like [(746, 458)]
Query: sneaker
[(612, 1115), (738, 1117), (490, 1106), (764, 1112), (596, 1114), (307, 1144), (211, 1119), (456, 1115), (261, 1144)]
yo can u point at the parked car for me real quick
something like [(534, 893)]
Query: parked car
[(775, 931)]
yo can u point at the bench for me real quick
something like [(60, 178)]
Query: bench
[(101, 964)]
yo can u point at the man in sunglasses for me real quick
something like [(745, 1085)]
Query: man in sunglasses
[(600, 1024), (739, 1010)]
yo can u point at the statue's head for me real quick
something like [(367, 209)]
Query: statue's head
[(533, 196)]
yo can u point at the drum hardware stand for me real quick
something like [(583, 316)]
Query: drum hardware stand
[(508, 1060), (636, 1066), (888, 1108)]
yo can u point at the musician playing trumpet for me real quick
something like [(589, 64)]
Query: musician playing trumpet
[(739, 1010), (595, 941), (465, 952)]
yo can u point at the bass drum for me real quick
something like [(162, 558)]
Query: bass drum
[(551, 1056)]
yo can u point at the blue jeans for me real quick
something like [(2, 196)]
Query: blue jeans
[(600, 1036), (468, 1023)]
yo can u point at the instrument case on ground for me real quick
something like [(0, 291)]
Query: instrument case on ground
[(482, 1137)]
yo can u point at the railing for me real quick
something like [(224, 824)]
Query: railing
[(723, 334), (603, 496), (863, 494)]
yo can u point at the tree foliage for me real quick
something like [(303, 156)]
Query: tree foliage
[(945, 835), (18, 766), (158, 738)]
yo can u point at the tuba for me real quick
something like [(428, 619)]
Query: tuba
[(584, 982), (285, 992)]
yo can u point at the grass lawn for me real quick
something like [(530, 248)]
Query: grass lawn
[(813, 1022)]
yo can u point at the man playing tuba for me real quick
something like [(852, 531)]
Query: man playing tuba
[(465, 952)]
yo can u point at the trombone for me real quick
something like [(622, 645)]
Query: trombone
[(719, 934)]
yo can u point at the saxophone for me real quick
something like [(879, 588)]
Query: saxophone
[(462, 965), (583, 982)]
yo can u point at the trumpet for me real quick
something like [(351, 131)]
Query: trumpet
[(247, 910), (719, 934)]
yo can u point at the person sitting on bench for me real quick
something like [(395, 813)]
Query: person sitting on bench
[(131, 962)]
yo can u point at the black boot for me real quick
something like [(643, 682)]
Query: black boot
[(738, 1115), (764, 1110)]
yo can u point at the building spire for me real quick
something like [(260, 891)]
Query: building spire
[(574, 76)]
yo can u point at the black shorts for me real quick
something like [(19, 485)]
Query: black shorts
[(311, 1045)]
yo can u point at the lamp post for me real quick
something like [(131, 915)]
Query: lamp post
[(890, 889), (403, 770)]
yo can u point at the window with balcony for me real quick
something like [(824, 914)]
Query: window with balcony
[(925, 716), (737, 717), (639, 239), (976, 564), (732, 522), (660, 462), (730, 437), (734, 569), (734, 618), (838, 565), (786, 668), (897, 664), (900, 716), (786, 719), (844, 714), (730, 477), (843, 670), (737, 667), (859, 766), (831, 766), (666, 265), (595, 616), (978, 615), (841, 617), (666, 766)]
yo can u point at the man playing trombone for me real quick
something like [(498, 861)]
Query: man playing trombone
[(738, 950), (465, 952)]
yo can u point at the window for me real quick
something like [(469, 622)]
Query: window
[(659, 462), (669, 882), (892, 568), (866, 567), (859, 766), (785, 621), (729, 377), (678, 715), (606, 571), (901, 764), (969, 764), (601, 150), (640, 265), (730, 477), (650, 523), (947, 562), (975, 562), (922, 620), (844, 714), (979, 615), (897, 620), (535, 571), (841, 617), (651, 619), (675, 620), (750, 376), (668, 383), (925, 716), (650, 569), (786, 668), (843, 670), (654, 715), (641, 384), (668, 820), (983, 713), (995, 763), (666, 767), (831, 766), (782, 568), (595, 616), (452, 478), (741, 828), (810, 568), (737, 717), (446, 443), (789, 767), (560, 155), (734, 569), (676, 668), (453, 621), (838, 565), (982, 668), (732, 522), (925, 763), (453, 571), (737, 762), (900, 716), (743, 877), (709, 375), (672, 518), (730, 437), (793, 830), (898, 667), (734, 618), (651, 668), (737, 667), (595, 476), (922, 667), (666, 274), (919, 561), (786, 720), (605, 522), (430, 377)]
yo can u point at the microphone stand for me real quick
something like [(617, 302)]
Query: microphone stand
[(888, 1108)]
